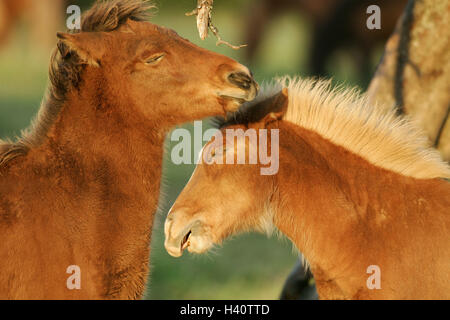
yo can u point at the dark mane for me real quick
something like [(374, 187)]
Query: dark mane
[(252, 111), (65, 70)]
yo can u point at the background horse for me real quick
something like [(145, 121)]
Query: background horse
[(357, 187), (80, 187), (336, 25), (42, 17)]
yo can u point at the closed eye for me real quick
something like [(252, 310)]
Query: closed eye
[(154, 58)]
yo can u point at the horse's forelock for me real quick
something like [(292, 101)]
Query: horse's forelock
[(107, 16)]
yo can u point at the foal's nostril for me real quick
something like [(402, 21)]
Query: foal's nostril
[(241, 80)]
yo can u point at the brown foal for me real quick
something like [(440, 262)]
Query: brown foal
[(357, 191), (80, 187)]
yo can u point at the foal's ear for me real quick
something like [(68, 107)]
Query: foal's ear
[(279, 104), (88, 46)]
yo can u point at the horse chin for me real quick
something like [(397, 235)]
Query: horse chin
[(199, 243), (232, 104), (233, 100)]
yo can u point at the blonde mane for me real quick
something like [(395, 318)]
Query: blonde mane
[(345, 117)]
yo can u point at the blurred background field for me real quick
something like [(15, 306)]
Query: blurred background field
[(250, 266)]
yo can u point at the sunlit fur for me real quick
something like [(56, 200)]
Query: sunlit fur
[(63, 75), (378, 135), (346, 205), (81, 185)]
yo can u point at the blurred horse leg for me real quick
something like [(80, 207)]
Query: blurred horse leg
[(10, 13), (260, 14), (299, 285), (45, 18)]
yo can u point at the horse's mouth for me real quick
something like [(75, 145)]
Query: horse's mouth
[(193, 237), (185, 241), (238, 100), (241, 94)]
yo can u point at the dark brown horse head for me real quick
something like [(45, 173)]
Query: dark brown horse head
[(152, 67)]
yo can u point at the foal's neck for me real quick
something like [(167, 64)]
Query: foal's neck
[(114, 158), (327, 202)]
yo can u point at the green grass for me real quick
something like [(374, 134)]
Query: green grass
[(249, 266)]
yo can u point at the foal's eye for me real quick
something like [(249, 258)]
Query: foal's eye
[(154, 58)]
